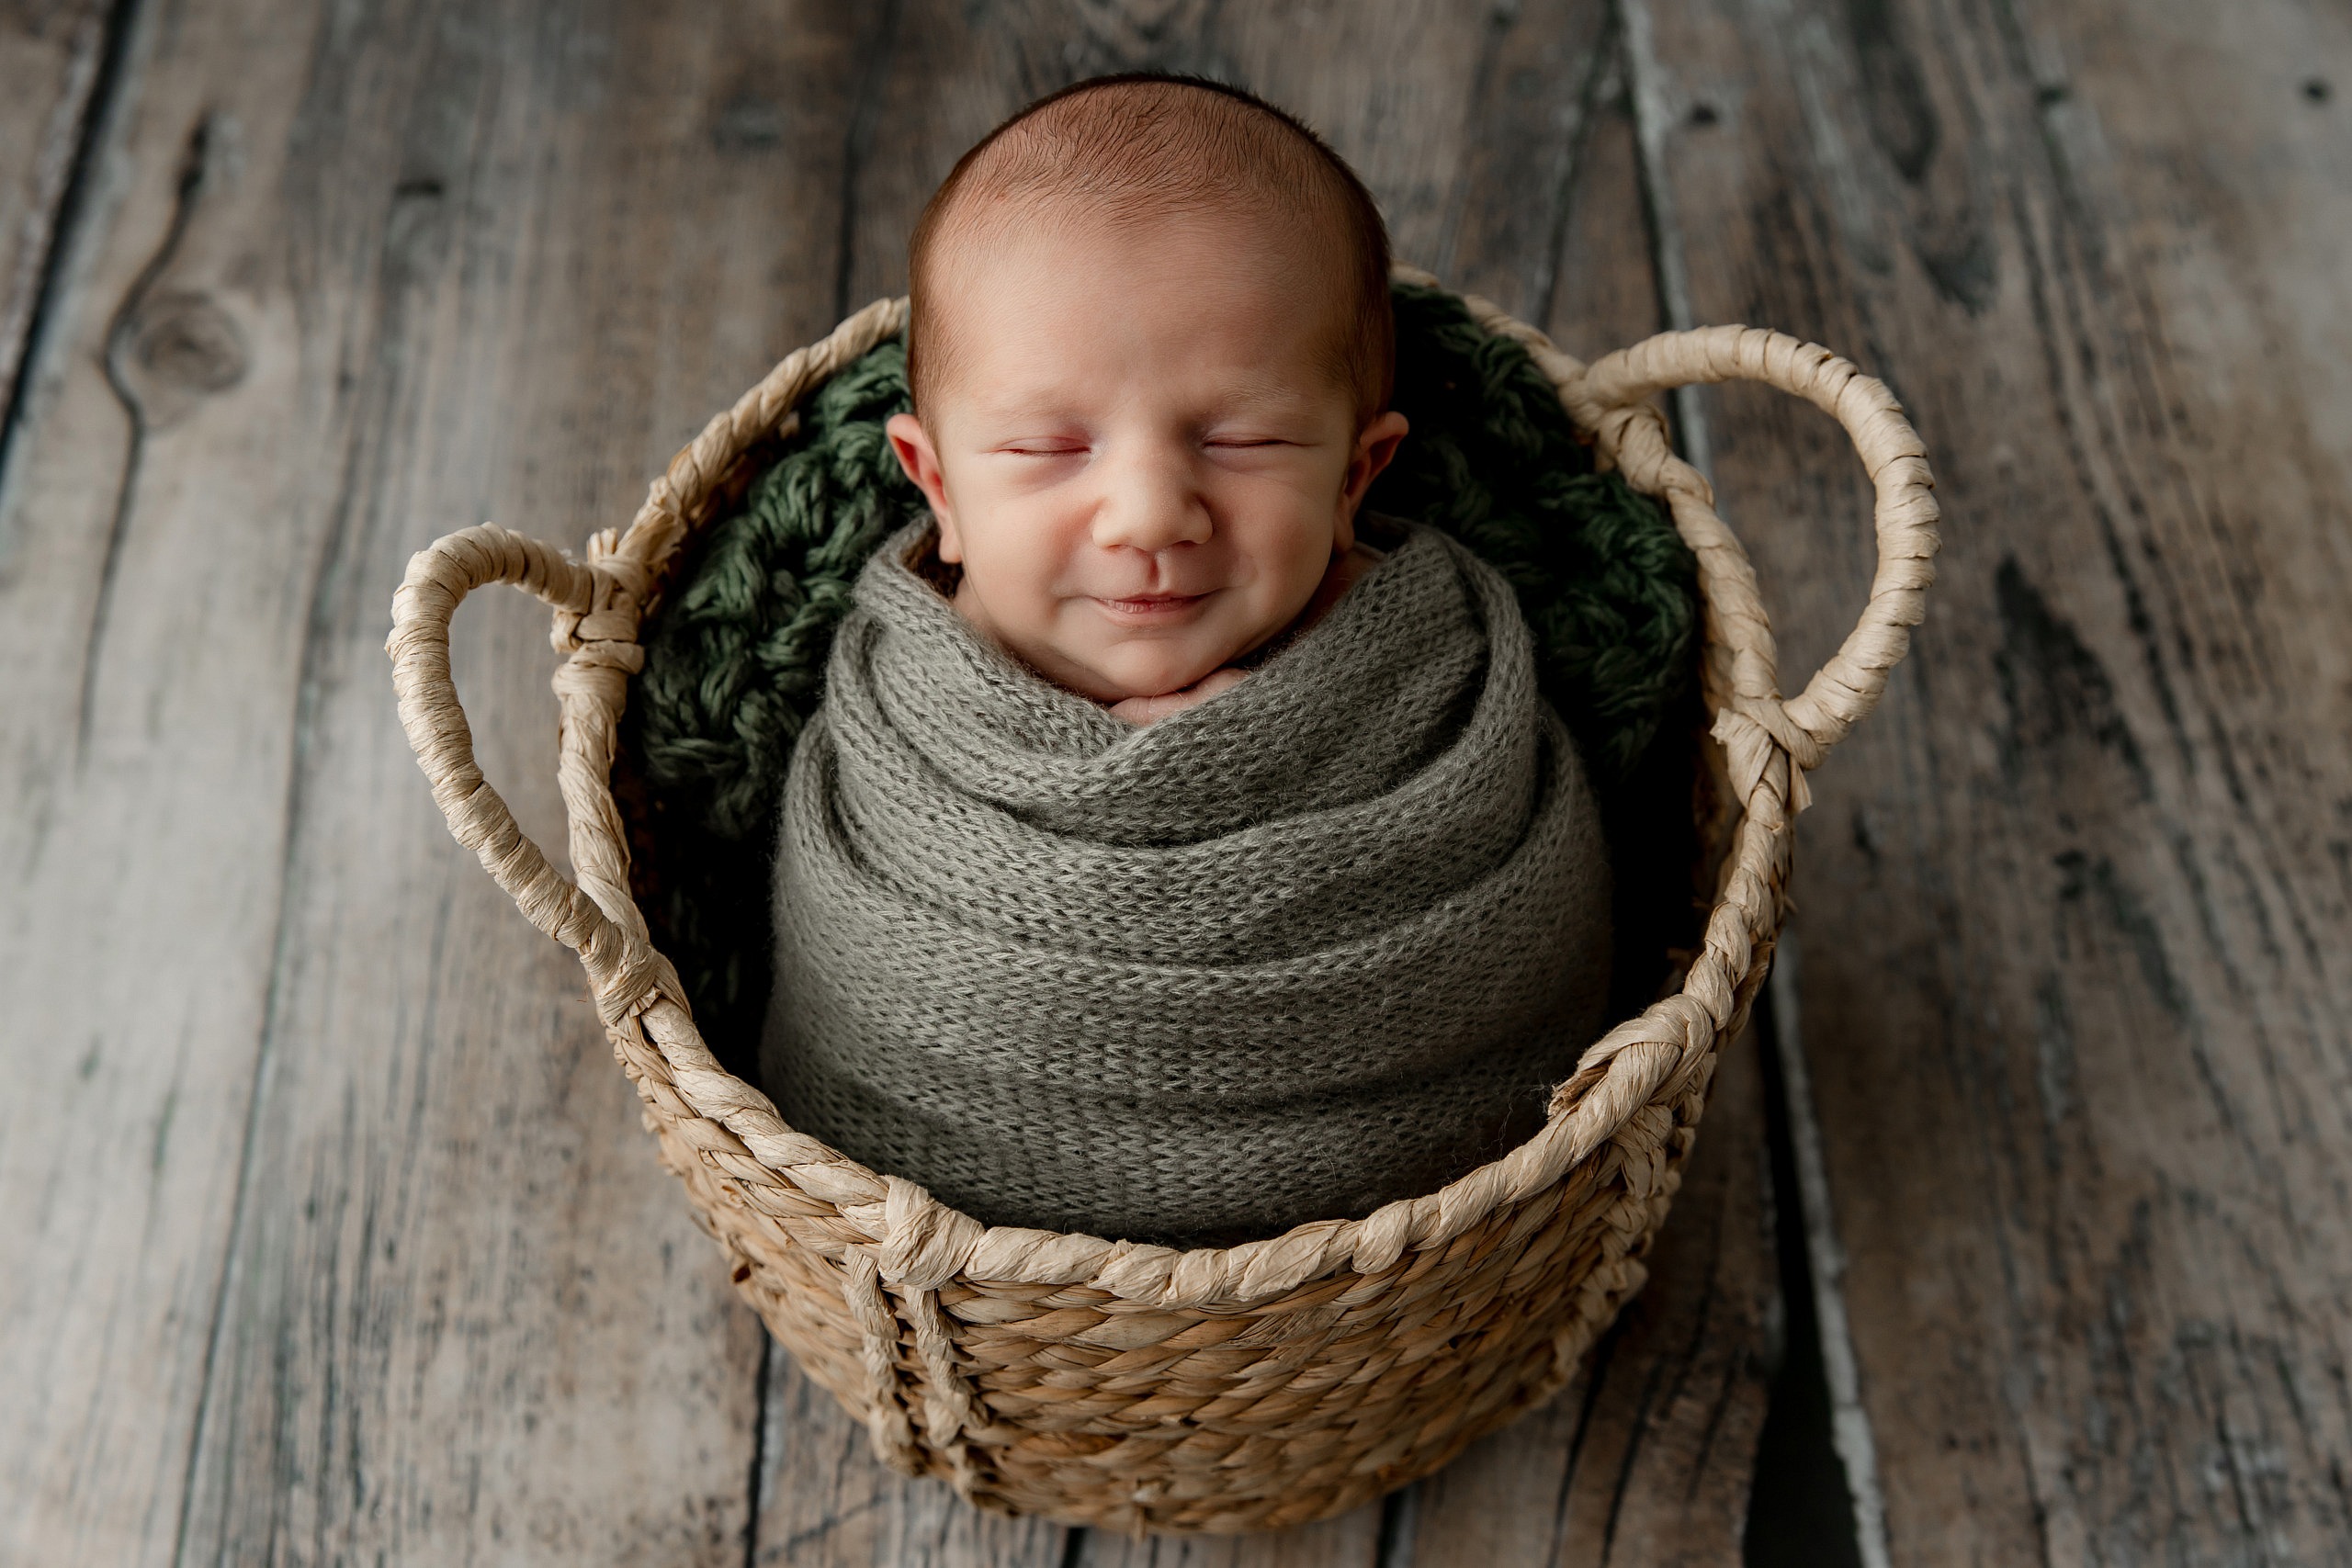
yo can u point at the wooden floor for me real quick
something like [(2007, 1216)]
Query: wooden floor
[(327, 1231)]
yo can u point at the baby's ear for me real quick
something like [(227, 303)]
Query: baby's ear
[(1375, 446), (911, 443)]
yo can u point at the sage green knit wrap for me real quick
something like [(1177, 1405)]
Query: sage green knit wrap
[(735, 654)]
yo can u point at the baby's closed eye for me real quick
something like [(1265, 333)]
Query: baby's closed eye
[(1041, 447)]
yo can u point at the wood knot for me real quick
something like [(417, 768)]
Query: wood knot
[(748, 122), (177, 349)]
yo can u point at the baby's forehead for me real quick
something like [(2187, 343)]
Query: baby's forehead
[(1132, 157), (1236, 296)]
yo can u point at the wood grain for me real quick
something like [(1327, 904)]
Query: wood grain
[(2075, 902), (1353, 1537), (331, 1231), (481, 1245), (51, 56), (139, 902), (826, 1503), (1646, 1458)]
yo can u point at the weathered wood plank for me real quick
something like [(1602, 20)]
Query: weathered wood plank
[(137, 912), (2076, 902), (1353, 1538), (379, 274), (50, 57), (580, 239), (1545, 216), (825, 1502), (1599, 290)]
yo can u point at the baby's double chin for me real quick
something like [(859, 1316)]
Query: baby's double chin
[(1149, 649), (1158, 643), (1115, 680), (1122, 668)]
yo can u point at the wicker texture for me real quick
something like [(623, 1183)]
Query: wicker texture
[(1138, 1387)]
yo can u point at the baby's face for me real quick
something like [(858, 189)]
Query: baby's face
[(1138, 448)]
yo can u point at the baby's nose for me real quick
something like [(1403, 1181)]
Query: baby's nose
[(1152, 506)]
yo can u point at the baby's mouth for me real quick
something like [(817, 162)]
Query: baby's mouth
[(1151, 607)]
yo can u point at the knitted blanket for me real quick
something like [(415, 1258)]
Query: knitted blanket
[(1323, 942)]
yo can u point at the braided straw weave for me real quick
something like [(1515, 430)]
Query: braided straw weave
[(1242, 1388)]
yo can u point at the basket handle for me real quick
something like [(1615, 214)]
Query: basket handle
[(597, 603), (1609, 401)]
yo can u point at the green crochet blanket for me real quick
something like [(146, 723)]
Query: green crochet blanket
[(735, 654)]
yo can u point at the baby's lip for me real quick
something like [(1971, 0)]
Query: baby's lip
[(1147, 606)]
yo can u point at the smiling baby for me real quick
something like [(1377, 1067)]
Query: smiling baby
[(1167, 859), (1150, 355)]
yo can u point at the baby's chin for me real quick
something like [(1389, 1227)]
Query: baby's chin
[(1152, 668)]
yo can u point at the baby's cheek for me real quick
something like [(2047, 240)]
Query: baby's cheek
[(1017, 577)]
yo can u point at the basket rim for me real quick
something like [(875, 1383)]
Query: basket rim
[(843, 1209)]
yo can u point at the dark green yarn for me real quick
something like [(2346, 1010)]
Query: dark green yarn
[(735, 660), (735, 655), (1607, 585)]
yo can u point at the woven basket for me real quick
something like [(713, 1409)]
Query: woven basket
[(1138, 1387)]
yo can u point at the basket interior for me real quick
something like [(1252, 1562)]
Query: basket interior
[(1608, 586)]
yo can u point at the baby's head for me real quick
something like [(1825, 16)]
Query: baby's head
[(1151, 353)]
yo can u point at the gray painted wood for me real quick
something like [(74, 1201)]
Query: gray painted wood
[(467, 1313), (1646, 1458), (52, 57), (1352, 1538), (825, 1502), (148, 734), (2075, 902), (331, 1231)]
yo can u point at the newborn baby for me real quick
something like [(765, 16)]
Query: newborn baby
[(1166, 861), (1145, 420)]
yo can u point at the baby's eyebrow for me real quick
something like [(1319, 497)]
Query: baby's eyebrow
[(1045, 410), (1266, 397), (1040, 417)]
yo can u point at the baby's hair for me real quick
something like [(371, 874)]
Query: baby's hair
[(1145, 145)]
